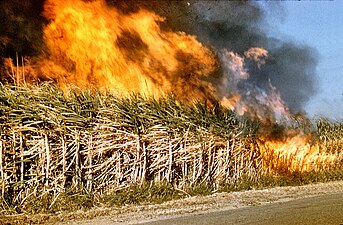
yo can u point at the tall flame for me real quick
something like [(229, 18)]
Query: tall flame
[(92, 44)]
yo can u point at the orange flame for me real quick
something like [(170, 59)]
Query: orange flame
[(257, 54), (92, 44), (295, 154)]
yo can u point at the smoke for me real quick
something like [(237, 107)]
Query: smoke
[(243, 81), (291, 69), (213, 51), (237, 26), (21, 27)]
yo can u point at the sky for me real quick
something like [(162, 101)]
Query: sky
[(318, 24)]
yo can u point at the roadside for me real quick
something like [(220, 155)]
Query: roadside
[(199, 204), (323, 209)]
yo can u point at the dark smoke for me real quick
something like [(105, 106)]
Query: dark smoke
[(21, 27), (232, 25), (237, 26), (291, 69)]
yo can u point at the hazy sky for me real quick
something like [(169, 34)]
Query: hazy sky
[(318, 24)]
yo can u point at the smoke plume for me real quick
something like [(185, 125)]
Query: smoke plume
[(21, 27), (237, 26), (208, 50)]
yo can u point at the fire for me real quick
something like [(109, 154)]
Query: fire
[(256, 103), (93, 45), (232, 102), (90, 44), (294, 154), (257, 54)]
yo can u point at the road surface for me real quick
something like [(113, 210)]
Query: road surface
[(325, 209), (319, 203)]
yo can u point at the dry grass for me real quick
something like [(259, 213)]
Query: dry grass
[(96, 143), (85, 148)]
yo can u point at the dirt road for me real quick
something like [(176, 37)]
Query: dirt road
[(274, 203), (326, 209)]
